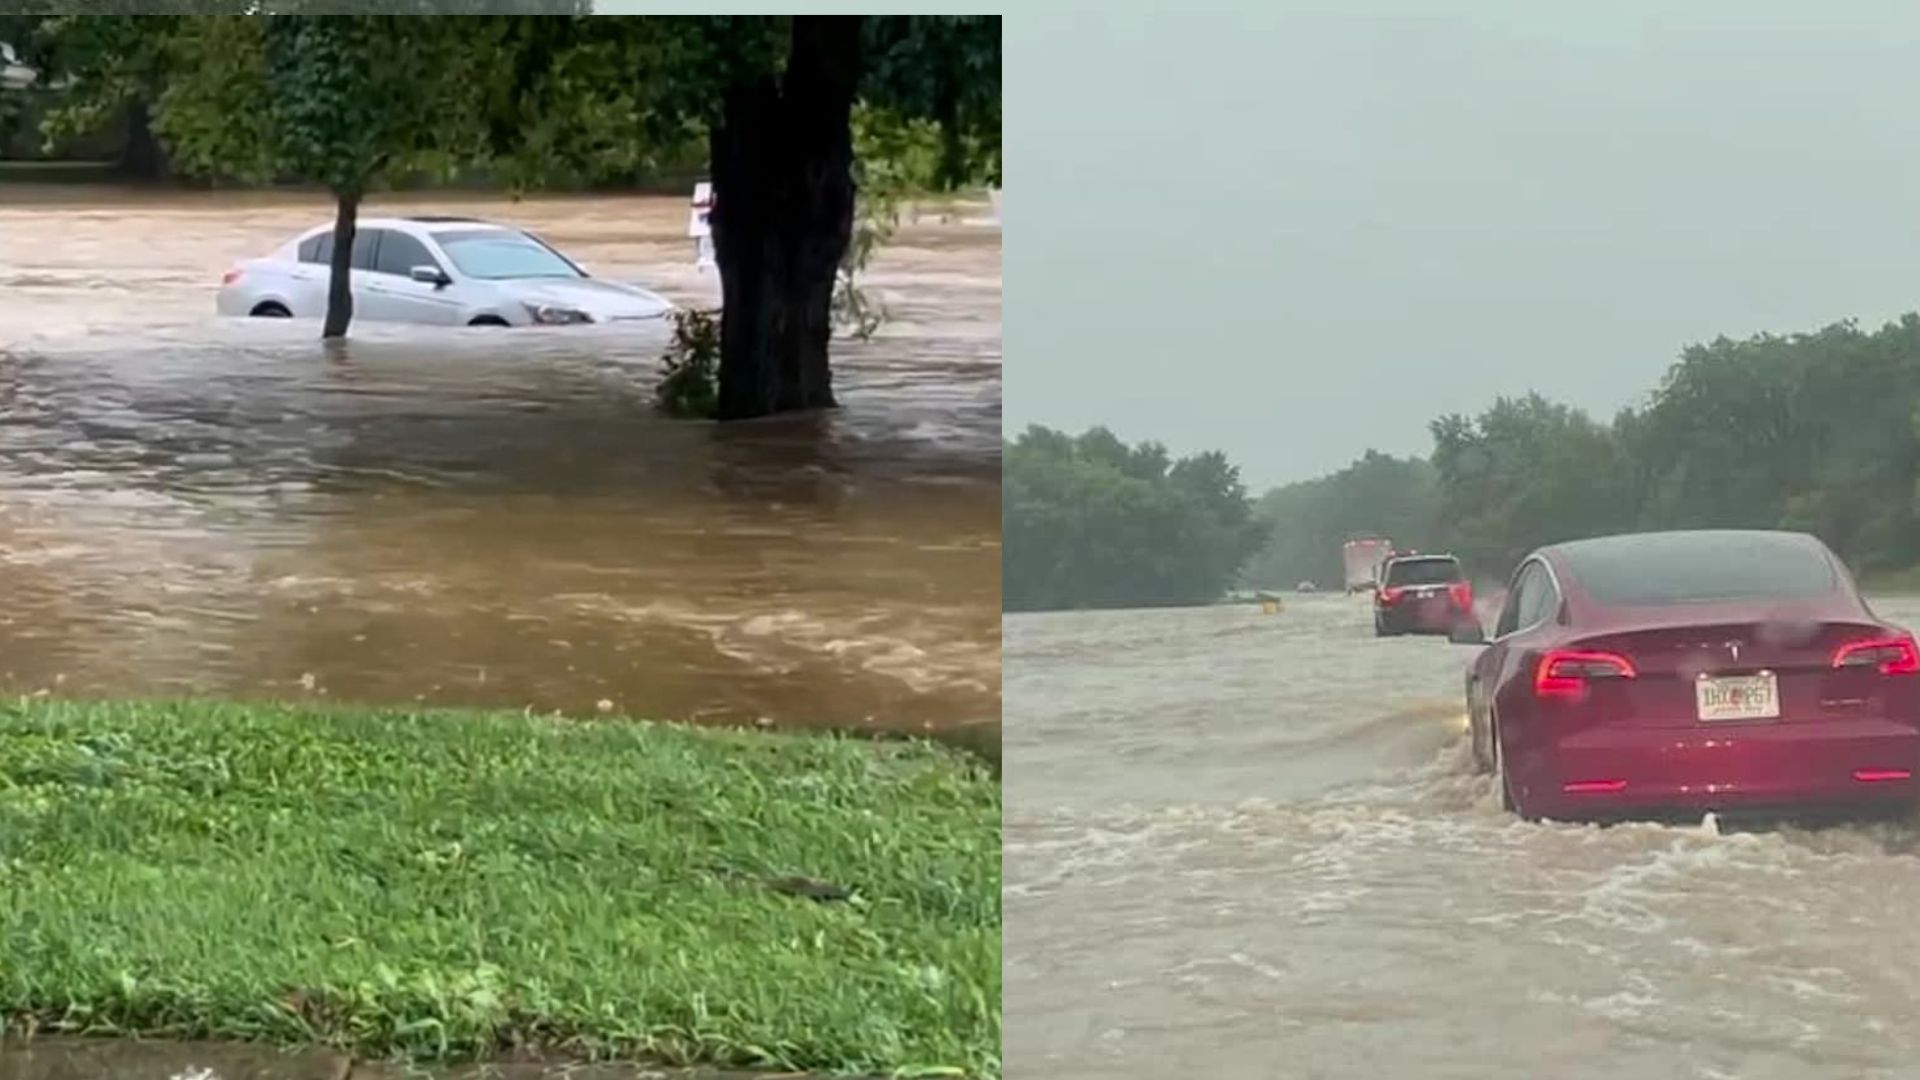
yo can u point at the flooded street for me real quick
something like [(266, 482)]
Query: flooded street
[(1246, 845), (197, 506)]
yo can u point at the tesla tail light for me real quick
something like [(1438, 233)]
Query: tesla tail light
[(230, 276), (1564, 673), (1893, 655), (1462, 593)]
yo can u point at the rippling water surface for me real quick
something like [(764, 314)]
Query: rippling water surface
[(1244, 845), (206, 506)]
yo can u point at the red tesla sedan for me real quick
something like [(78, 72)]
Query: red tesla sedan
[(1686, 672)]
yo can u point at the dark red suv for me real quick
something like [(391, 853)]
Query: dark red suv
[(1421, 594)]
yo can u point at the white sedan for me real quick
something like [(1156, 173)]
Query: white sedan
[(437, 270)]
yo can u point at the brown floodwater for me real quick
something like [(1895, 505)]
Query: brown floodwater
[(208, 507), (1243, 845)]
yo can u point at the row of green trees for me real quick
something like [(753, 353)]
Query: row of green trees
[(1817, 432), (1091, 522), (313, 91)]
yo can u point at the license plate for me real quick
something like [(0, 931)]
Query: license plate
[(1738, 697)]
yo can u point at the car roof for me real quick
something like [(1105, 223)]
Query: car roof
[(1423, 557), (1562, 560), (1559, 552), (420, 223)]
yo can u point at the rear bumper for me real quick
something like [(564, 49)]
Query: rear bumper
[(1418, 618), (1780, 767)]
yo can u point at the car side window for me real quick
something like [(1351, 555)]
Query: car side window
[(364, 243), (317, 249), (400, 253), (1526, 585), (1542, 599)]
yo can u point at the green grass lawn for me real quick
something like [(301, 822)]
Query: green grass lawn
[(453, 884)]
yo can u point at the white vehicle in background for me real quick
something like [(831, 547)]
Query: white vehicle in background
[(442, 271), (14, 75), (1362, 557)]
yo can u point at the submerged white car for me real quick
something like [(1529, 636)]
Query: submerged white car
[(14, 75), (442, 271)]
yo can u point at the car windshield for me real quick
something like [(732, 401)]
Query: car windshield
[(1702, 567), (1423, 572), (496, 255)]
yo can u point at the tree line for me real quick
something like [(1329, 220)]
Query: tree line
[(326, 93), (1817, 432), (1090, 522)]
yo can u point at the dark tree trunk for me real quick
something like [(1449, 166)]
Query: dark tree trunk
[(340, 267), (142, 157), (782, 217)]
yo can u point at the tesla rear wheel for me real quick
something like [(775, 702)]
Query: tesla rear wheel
[(1481, 766), (488, 320), (1500, 778), (270, 310)]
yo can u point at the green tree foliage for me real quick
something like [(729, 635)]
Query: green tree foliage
[(342, 101), (349, 101), (1817, 432), (1093, 523), (1523, 473), (1308, 521)]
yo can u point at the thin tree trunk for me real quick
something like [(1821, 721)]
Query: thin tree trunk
[(142, 157), (340, 267), (783, 190)]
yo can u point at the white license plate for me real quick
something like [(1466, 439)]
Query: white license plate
[(1738, 697)]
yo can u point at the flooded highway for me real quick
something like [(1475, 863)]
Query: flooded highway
[(197, 506), (1253, 846)]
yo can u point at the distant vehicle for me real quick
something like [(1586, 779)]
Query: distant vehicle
[(1689, 672), (1361, 558), (441, 271), (1306, 587), (1421, 594), (14, 75)]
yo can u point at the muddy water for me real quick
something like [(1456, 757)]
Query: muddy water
[(190, 505), (1245, 845)]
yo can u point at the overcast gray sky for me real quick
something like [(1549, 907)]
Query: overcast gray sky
[(1294, 231)]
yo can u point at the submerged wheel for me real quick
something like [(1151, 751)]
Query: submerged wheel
[(1481, 764), (270, 310), (488, 320), (1500, 778)]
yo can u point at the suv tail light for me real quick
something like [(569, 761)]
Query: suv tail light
[(1391, 594), (1462, 593), (1892, 655), (1564, 673)]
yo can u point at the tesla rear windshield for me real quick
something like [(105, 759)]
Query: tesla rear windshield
[(1703, 567), (1423, 571), (497, 255)]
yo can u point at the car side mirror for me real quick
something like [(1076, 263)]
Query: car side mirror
[(1467, 632), (431, 275)]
